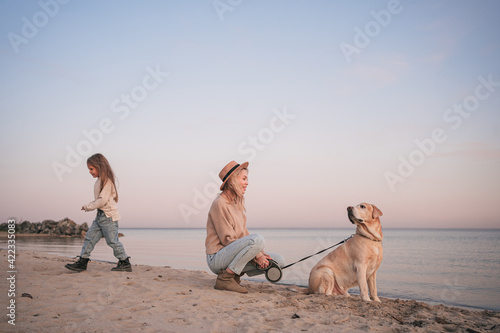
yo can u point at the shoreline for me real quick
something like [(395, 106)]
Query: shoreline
[(154, 263), (160, 298)]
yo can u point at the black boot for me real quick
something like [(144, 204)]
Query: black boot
[(123, 266), (80, 265)]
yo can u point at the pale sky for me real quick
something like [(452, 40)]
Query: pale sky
[(333, 103)]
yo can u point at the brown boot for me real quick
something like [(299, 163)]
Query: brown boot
[(225, 281), (237, 278)]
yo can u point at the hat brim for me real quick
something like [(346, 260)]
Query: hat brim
[(242, 166)]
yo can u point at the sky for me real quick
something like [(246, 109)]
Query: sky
[(333, 103)]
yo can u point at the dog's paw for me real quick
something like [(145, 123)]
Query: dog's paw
[(376, 299)]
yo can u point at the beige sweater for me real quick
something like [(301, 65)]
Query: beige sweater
[(104, 200), (225, 224)]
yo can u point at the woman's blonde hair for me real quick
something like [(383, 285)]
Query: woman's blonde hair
[(232, 189), (106, 174)]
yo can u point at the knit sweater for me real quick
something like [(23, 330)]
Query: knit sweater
[(104, 200), (225, 224)]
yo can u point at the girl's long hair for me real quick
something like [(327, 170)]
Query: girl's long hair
[(106, 174), (232, 189)]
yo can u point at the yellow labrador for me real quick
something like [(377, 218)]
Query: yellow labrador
[(355, 262)]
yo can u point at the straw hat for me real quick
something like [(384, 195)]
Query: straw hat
[(230, 169)]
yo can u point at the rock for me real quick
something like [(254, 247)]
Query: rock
[(65, 227), (82, 229), (49, 227), (24, 228)]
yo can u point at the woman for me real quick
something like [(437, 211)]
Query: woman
[(231, 250)]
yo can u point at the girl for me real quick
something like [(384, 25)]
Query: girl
[(231, 250), (106, 221)]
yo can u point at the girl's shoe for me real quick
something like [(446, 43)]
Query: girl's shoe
[(79, 265), (123, 266)]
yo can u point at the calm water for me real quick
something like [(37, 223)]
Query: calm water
[(452, 267)]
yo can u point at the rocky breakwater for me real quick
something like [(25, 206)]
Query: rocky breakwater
[(62, 228)]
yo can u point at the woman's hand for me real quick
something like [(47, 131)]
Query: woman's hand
[(263, 261)]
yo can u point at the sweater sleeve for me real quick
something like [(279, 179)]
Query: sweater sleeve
[(103, 198)]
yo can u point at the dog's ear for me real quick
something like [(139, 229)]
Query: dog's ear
[(376, 212)]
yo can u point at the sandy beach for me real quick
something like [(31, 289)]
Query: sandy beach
[(162, 299)]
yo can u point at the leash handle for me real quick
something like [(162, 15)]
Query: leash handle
[(312, 255)]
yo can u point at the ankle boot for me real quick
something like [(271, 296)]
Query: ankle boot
[(79, 265), (237, 278), (225, 281), (123, 266)]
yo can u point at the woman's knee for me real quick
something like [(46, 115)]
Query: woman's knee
[(258, 241), (280, 260)]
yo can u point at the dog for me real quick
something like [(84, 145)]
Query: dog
[(354, 263)]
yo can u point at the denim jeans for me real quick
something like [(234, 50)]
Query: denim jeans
[(237, 256), (103, 226)]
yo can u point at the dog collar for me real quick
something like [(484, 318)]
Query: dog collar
[(375, 240)]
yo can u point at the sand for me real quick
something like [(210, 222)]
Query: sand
[(163, 299)]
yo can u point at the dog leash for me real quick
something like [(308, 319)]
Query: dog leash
[(312, 255), (274, 272)]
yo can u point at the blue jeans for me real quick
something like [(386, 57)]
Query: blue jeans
[(103, 226), (238, 255)]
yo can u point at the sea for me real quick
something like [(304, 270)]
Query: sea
[(455, 267)]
